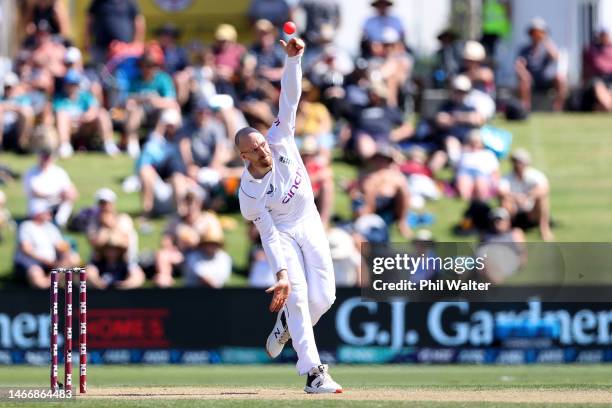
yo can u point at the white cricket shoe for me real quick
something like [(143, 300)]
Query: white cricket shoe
[(320, 382), (65, 150), (279, 336)]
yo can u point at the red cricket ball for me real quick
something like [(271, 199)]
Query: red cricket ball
[(289, 27)]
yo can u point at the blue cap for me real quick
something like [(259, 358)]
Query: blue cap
[(72, 77)]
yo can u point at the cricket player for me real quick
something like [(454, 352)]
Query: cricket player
[(276, 194)]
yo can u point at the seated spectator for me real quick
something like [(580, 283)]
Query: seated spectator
[(313, 120), (78, 114), (110, 20), (228, 53), (41, 247), (260, 273), (597, 71), (47, 51), (161, 169), (482, 78), (150, 92), (455, 120), (524, 192), (269, 53), (502, 247), (48, 182), (182, 234), (275, 11), (374, 26), (378, 123), (537, 66), (197, 80), (321, 177), (208, 265), (114, 243), (448, 58), (256, 96), (16, 115), (325, 62), (420, 178), (346, 258), (175, 56), (477, 171), (383, 190)]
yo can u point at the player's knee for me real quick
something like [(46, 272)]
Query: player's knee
[(321, 302)]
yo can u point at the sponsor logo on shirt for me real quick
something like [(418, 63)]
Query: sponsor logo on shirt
[(294, 187), (284, 160), (277, 122)]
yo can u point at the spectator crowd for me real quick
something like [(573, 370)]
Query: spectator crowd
[(175, 111)]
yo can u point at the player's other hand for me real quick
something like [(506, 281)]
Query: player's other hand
[(294, 47), (280, 293)]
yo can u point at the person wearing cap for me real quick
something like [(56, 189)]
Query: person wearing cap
[(477, 172), (502, 246), (41, 247), (275, 194), (537, 66), (208, 265), (182, 235), (227, 51), (448, 58), (114, 245), (16, 114), (374, 27), (112, 20), (151, 92), (321, 176), (597, 71), (175, 56), (50, 183), (382, 190), (79, 114), (525, 193), (161, 169), (269, 54), (455, 120)]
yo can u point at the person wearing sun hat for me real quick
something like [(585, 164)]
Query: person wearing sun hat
[(208, 265), (228, 52)]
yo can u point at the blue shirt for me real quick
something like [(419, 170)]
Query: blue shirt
[(161, 84), (83, 101), (375, 26)]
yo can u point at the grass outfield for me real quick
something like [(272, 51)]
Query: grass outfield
[(278, 385), (574, 150)]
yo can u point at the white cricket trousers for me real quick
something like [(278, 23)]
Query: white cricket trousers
[(313, 287)]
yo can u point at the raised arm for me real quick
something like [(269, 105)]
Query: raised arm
[(291, 88)]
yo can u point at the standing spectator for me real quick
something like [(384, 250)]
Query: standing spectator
[(161, 169), (477, 170), (537, 66), (270, 56), (524, 192), (597, 71), (149, 93), (208, 265), (114, 244), (175, 56), (382, 190), (276, 11), (496, 23), (78, 113), (112, 20), (228, 53), (375, 26), (448, 58), (50, 183), (319, 13), (53, 11), (321, 177), (41, 247)]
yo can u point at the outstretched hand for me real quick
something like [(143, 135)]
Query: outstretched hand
[(294, 47), (280, 290)]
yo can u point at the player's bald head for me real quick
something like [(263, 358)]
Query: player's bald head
[(242, 134)]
